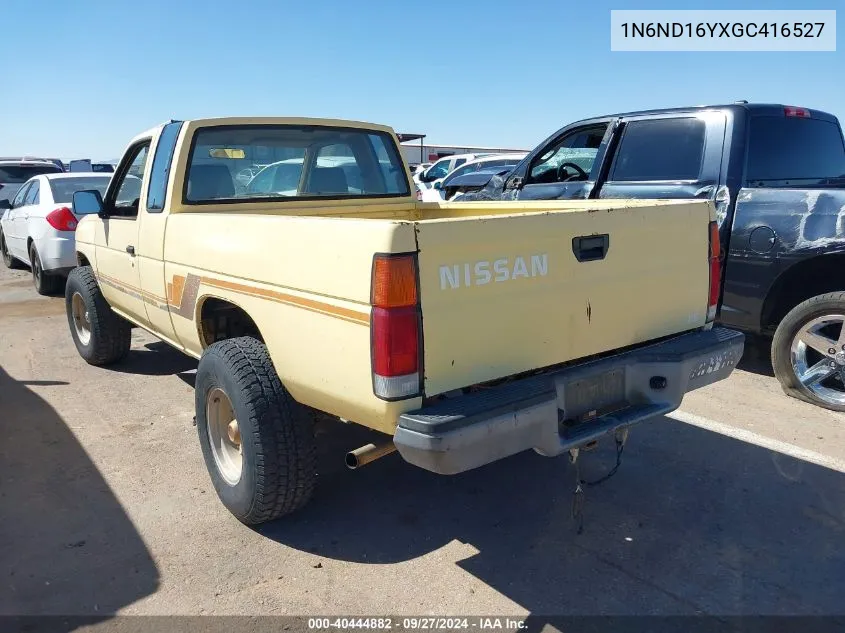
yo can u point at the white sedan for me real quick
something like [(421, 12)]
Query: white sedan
[(38, 227)]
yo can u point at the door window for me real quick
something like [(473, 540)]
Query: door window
[(21, 196), (33, 195), (660, 149), (569, 160), (128, 187)]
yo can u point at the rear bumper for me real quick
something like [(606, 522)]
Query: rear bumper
[(57, 252), (459, 434)]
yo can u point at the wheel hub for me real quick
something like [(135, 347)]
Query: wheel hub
[(224, 435)]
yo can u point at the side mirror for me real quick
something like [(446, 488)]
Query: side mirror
[(5, 205), (88, 202), (438, 184)]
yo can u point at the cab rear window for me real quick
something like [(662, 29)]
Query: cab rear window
[(784, 149), (255, 162)]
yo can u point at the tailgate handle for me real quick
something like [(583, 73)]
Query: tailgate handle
[(589, 248)]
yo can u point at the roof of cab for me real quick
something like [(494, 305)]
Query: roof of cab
[(257, 120), (289, 121)]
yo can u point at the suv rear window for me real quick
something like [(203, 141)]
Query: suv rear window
[(660, 149), (22, 173), (253, 162), (792, 148)]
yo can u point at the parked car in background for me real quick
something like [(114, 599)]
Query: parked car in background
[(454, 189), (436, 192), (37, 228), (777, 176), (442, 168), (102, 168), (14, 173)]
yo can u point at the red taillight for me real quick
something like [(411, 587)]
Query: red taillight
[(62, 219), (793, 111), (395, 341), (715, 272), (395, 327)]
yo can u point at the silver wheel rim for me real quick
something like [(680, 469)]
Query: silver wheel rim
[(818, 357), (36, 267), (224, 435), (81, 319)]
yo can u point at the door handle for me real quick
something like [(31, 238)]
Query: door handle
[(590, 248), (131, 250)]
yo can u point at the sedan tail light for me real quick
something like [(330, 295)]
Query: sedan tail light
[(62, 219)]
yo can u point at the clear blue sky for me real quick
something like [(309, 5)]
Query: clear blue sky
[(90, 74)]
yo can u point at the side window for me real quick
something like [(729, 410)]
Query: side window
[(660, 149), (21, 196), (128, 186), (459, 162), (438, 169), (161, 167), (33, 195), (571, 159)]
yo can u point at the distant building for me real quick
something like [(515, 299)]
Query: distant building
[(422, 152)]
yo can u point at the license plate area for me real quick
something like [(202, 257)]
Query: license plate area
[(585, 399)]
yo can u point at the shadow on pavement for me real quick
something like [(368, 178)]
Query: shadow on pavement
[(66, 544), (157, 359), (694, 522), (757, 357)]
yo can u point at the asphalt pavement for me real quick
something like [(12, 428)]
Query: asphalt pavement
[(735, 505)]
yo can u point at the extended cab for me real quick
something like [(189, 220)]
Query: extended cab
[(777, 177), (465, 333)]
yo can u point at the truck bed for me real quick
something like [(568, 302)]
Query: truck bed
[(501, 289)]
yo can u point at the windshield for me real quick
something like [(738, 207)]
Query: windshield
[(235, 163), (493, 166), (64, 188), (21, 173)]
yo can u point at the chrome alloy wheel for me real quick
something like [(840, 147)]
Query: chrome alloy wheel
[(817, 354)]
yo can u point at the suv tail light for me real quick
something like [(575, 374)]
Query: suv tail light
[(62, 219), (715, 272), (396, 333)]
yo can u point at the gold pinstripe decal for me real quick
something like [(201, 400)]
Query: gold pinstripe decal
[(182, 294)]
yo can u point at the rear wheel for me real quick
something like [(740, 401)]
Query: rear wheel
[(101, 336), (45, 283), (8, 260), (257, 441), (808, 351)]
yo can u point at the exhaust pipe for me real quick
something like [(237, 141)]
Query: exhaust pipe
[(369, 453)]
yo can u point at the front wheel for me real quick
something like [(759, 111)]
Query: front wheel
[(257, 441), (808, 351), (101, 336)]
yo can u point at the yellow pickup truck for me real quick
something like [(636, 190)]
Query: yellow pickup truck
[(291, 258)]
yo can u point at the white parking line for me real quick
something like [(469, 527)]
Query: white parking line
[(760, 440)]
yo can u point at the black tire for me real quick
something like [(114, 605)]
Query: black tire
[(110, 334), (8, 260), (45, 283), (278, 467), (815, 307)]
